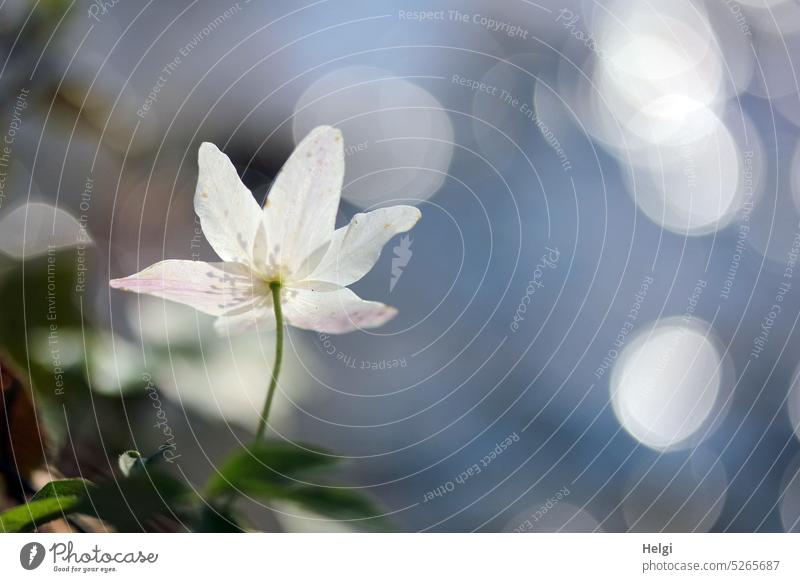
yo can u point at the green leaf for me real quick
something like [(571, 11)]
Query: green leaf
[(277, 471), (55, 500), (27, 517), (63, 488), (344, 504), (267, 465)]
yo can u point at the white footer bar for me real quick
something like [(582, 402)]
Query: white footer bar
[(389, 557)]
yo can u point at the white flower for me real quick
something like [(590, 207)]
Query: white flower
[(291, 241)]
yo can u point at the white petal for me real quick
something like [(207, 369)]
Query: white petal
[(355, 248), (213, 288), (334, 311), (229, 215), (301, 206), (261, 318)]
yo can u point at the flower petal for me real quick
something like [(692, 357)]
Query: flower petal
[(301, 206), (355, 248), (229, 215), (213, 288), (261, 318), (334, 311)]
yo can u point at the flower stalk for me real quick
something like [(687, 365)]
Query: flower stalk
[(275, 288)]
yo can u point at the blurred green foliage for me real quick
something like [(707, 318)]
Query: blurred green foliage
[(54, 500), (50, 338)]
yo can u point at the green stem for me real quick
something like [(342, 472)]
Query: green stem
[(275, 287)]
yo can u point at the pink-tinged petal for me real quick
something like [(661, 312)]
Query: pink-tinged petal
[(355, 248), (213, 288), (300, 209), (339, 311), (229, 215)]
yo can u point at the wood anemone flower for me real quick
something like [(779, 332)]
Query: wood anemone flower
[(289, 250)]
